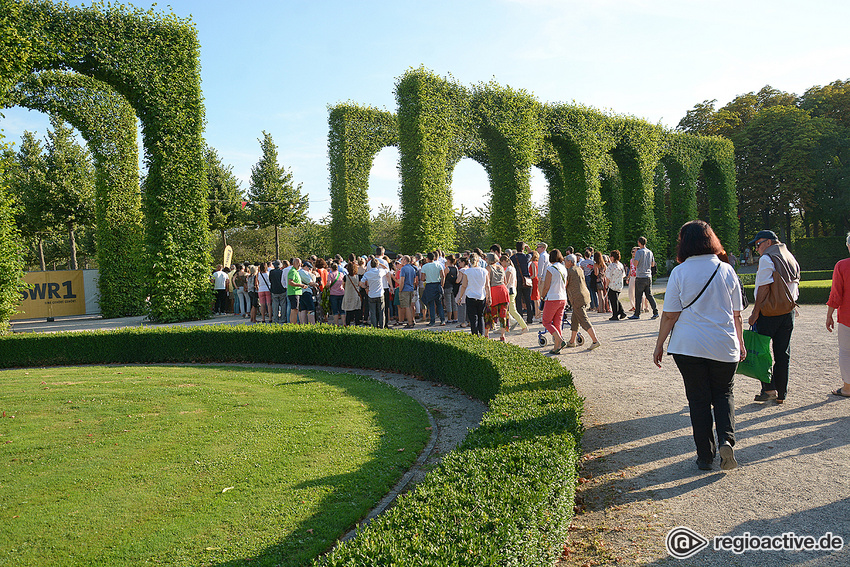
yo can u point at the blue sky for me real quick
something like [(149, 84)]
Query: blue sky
[(276, 65)]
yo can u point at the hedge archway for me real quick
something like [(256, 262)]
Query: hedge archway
[(152, 61), (509, 131), (108, 124)]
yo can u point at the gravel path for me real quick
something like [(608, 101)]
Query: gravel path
[(639, 479)]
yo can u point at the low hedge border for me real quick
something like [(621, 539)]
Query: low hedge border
[(810, 276), (811, 292), (504, 497)]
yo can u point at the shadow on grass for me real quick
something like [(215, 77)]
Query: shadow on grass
[(347, 500)]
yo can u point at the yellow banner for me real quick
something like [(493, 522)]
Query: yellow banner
[(228, 256), (52, 294)]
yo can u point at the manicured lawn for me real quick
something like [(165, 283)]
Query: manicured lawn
[(193, 465)]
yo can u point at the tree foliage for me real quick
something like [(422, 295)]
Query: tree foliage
[(792, 154), (226, 210), (274, 199)]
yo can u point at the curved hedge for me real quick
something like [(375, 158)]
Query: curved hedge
[(108, 124), (152, 61), (504, 497)]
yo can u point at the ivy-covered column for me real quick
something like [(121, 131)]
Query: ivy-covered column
[(428, 108), (509, 124), (719, 167), (576, 207), (356, 135), (108, 124), (151, 60)]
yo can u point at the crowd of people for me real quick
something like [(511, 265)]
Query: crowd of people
[(499, 289), (486, 292)]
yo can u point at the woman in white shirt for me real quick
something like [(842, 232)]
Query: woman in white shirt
[(475, 288), (511, 283), (554, 293), (702, 315), (615, 273)]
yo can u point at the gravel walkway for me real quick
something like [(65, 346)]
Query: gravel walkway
[(639, 479)]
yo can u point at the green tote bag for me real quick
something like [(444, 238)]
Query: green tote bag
[(759, 363)]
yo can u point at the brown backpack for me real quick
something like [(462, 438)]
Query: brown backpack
[(779, 300)]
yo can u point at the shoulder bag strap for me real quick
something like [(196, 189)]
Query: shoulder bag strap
[(703, 288)]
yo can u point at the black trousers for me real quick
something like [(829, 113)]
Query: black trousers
[(708, 385), (616, 307), (220, 301), (523, 297), (779, 329), (643, 287), (475, 312)]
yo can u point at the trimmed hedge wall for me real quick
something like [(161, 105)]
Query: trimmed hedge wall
[(819, 253), (810, 276), (606, 174), (811, 292), (504, 497)]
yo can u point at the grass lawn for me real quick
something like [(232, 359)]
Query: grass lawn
[(193, 465)]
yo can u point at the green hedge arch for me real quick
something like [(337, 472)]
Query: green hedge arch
[(602, 170), (509, 488), (356, 135), (152, 61), (108, 124)]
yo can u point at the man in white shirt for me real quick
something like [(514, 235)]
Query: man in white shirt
[(219, 279), (542, 266), (373, 283), (775, 262)]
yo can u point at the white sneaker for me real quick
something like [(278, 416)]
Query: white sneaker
[(593, 345)]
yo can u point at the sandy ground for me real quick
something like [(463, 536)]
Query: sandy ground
[(639, 479)]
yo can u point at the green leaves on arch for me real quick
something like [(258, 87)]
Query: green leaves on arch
[(152, 61), (601, 169)]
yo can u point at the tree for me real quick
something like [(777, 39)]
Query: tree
[(386, 228), (69, 180), (274, 200), (225, 195), (27, 181)]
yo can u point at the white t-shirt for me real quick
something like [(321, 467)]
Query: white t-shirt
[(476, 280), (220, 279), (510, 281), (263, 281), (557, 282), (383, 264), (706, 329), (285, 276), (374, 278)]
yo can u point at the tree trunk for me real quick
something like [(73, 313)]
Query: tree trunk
[(73, 243), (787, 227), (41, 263), (223, 241), (276, 243)]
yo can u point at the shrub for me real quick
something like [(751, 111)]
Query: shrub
[(504, 497), (811, 292), (820, 253)]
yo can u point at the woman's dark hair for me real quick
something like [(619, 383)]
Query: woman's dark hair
[(615, 255), (555, 256), (320, 263), (696, 238), (598, 259), (351, 268)]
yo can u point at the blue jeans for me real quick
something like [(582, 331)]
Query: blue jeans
[(594, 301), (434, 300)]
